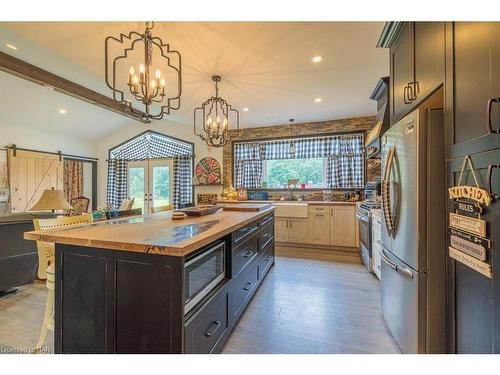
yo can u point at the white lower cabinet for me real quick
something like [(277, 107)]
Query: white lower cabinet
[(325, 226)]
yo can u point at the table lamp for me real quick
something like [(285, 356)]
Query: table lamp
[(51, 200)]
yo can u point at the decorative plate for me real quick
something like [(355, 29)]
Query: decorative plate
[(208, 171)]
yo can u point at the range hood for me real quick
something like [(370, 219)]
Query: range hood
[(381, 95)]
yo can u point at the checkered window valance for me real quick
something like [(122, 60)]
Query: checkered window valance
[(344, 157), (150, 146)]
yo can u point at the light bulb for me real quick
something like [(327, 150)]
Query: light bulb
[(218, 120), (136, 79), (162, 82), (153, 83), (131, 71), (158, 74), (141, 68)]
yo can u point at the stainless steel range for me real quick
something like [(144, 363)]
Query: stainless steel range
[(364, 215)]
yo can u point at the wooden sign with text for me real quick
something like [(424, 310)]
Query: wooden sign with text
[(472, 249), (468, 224), (471, 209), (484, 242), (475, 264)]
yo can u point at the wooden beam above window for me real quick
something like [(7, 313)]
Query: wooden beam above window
[(22, 69)]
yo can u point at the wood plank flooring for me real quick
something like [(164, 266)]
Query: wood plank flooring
[(312, 301)]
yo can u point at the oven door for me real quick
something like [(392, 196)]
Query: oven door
[(365, 232), (203, 273)]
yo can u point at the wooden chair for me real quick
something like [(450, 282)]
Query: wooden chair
[(161, 208), (46, 266), (80, 205)]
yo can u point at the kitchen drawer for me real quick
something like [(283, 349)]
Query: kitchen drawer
[(207, 326), (266, 261), (244, 254), (242, 291), (266, 235), (319, 209), (240, 235), (266, 220)]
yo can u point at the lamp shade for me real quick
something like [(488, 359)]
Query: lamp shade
[(51, 200)]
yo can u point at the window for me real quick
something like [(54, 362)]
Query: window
[(309, 171)]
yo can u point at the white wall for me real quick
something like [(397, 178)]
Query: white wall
[(167, 127), (43, 140)]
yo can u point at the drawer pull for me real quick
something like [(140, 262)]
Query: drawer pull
[(319, 215), (246, 230), (213, 328), (267, 235), (488, 115), (248, 286), (248, 254), (268, 258)]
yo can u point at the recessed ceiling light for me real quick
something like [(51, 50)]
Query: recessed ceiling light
[(317, 59), (62, 111), (245, 109), (318, 100), (11, 46)]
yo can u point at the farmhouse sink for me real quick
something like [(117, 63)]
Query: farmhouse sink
[(289, 209)]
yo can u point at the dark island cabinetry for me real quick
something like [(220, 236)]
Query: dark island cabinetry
[(114, 301)]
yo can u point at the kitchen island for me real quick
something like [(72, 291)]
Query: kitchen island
[(149, 284)]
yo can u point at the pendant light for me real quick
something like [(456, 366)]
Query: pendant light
[(215, 116), (147, 85), (291, 149)]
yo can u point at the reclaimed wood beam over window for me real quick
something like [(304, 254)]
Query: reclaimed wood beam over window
[(22, 69)]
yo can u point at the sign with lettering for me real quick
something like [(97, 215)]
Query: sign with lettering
[(475, 264), (468, 224), (467, 208), (477, 194), (472, 249), (484, 242)]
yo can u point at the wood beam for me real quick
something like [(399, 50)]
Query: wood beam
[(22, 69)]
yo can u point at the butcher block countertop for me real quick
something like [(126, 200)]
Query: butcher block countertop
[(326, 203), (155, 233)]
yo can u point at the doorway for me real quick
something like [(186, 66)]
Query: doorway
[(150, 183)]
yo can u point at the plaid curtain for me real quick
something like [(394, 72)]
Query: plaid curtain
[(149, 146), (72, 179), (183, 181), (117, 182), (248, 165), (345, 164)]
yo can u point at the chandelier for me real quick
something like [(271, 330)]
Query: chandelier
[(215, 114), (147, 83)]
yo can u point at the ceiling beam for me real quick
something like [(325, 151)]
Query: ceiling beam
[(22, 69)]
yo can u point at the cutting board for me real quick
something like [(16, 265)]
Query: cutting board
[(246, 207)]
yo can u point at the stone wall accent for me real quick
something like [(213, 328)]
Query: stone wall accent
[(283, 131)]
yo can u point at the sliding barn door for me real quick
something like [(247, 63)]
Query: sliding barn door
[(30, 173)]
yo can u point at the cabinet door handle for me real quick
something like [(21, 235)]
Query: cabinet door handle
[(405, 95), (415, 90), (248, 254), (489, 177), (248, 286), (291, 222), (213, 328), (488, 115)]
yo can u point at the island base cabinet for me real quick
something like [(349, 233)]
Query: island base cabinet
[(204, 330), (241, 293)]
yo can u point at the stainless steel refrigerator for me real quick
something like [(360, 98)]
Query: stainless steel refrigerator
[(413, 232)]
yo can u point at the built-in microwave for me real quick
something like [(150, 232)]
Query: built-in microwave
[(203, 273)]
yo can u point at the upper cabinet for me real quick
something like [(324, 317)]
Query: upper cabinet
[(401, 71), (473, 65), (417, 58)]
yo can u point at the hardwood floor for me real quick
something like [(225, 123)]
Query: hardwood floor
[(312, 301)]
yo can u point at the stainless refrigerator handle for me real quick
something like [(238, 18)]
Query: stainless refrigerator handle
[(405, 271)]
